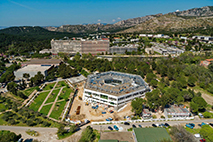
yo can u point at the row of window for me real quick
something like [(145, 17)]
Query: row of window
[(101, 96)]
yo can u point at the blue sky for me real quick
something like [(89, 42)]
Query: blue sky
[(62, 12)]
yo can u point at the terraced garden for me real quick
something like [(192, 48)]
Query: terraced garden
[(28, 91), (49, 86), (38, 101), (45, 109), (58, 109), (52, 96)]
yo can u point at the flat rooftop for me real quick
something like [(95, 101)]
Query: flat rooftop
[(43, 61), (33, 68), (151, 134), (174, 109), (115, 83)]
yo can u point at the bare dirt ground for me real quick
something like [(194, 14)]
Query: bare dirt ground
[(121, 136), (86, 111)]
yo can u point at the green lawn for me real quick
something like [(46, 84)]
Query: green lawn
[(59, 107), (28, 91), (61, 84), (2, 107), (38, 101), (65, 93), (49, 86), (193, 131), (52, 96), (45, 109)]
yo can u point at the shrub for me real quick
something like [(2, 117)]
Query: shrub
[(154, 116), (207, 114)]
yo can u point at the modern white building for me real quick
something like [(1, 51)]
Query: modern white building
[(176, 112), (114, 88)]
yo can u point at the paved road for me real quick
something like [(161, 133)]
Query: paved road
[(147, 124)]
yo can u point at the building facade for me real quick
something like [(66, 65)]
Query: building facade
[(176, 112), (81, 46), (114, 88)]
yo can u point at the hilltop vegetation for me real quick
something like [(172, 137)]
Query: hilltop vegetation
[(23, 40)]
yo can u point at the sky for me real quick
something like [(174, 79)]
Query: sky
[(72, 12)]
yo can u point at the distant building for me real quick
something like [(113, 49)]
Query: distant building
[(81, 46), (32, 70), (176, 112), (123, 49), (146, 114), (206, 62), (43, 62)]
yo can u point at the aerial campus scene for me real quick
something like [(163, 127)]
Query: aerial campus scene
[(106, 71)]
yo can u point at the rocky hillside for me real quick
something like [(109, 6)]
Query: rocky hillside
[(151, 23), (203, 11), (172, 23)]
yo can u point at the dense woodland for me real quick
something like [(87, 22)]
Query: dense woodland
[(24, 40)]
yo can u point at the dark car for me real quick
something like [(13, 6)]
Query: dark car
[(211, 124), (154, 125), (167, 125), (163, 125), (110, 128), (134, 126), (126, 123), (140, 126)]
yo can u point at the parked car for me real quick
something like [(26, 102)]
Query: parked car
[(192, 124), (201, 124), (140, 126), (202, 140), (211, 124), (107, 119), (189, 126), (163, 125), (167, 125), (116, 128), (20, 140), (110, 128), (111, 111), (110, 118), (154, 125), (201, 115), (134, 126), (126, 123), (103, 112)]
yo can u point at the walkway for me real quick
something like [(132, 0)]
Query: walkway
[(47, 97), (54, 102)]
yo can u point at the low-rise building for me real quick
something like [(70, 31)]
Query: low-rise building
[(146, 114), (176, 112), (206, 62)]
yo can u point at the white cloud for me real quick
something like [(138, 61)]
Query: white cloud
[(118, 18), (113, 20), (99, 20)]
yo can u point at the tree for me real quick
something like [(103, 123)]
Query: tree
[(61, 130), (198, 103), (137, 105), (207, 133), (73, 128), (154, 83), (191, 81), (87, 135), (207, 114), (26, 75), (210, 67), (7, 136), (150, 76), (12, 87)]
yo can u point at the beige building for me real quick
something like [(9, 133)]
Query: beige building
[(81, 46)]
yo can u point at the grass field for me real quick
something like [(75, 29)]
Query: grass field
[(2, 107), (61, 84), (151, 134), (58, 109), (52, 96), (65, 93), (28, 91), (38, 101), (49, 86), (193, 131), (45, 109)]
